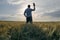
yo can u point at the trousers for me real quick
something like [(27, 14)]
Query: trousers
[(28, 19)]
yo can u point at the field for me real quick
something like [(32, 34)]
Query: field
[(10, 30)]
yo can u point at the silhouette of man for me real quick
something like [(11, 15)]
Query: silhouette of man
[(28, 13)]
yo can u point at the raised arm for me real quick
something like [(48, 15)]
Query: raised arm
[(34, 7)]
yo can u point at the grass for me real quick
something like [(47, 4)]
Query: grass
[(36, 31)]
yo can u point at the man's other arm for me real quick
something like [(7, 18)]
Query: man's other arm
[(25, 13)]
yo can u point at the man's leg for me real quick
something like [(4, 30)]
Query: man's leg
[(27, 19), (31, 20)]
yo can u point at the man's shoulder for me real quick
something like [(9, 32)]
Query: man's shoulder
[(28, 9)]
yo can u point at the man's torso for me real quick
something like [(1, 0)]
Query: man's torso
[(28, 12)]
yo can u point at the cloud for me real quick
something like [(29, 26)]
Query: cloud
[(3, 2), (15, 1), (11, 17), (49, 16), (55, 14)]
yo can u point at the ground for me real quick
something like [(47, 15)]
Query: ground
[(14, 30)]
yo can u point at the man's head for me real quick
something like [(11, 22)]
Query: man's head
[(28, 6)]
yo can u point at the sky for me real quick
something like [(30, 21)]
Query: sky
[(46, 10)]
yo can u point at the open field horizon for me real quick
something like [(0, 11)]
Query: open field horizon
[(16, 30), (25, 21)]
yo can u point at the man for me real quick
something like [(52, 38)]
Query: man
[(28, 13)]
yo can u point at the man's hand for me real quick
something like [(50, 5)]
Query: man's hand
[(33, 4)]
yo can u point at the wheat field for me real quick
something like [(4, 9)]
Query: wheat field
[(15, 30)]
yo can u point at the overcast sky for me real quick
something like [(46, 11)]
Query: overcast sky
[(46, 10)]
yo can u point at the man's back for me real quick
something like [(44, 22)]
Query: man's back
[(28, 12)]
